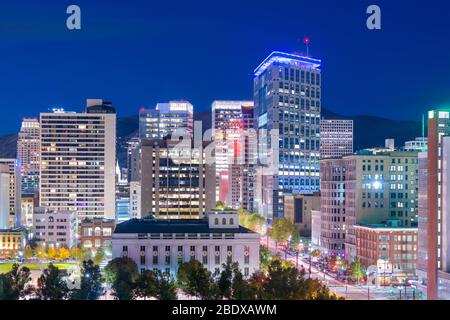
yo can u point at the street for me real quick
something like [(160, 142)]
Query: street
[(348, 291)]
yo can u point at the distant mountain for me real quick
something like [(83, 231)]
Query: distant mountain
[(369, 131), (8, 146)]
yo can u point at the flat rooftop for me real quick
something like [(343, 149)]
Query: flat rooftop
[(179, 226), (282, 57)]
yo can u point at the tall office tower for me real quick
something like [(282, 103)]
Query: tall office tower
[(14, 192), (134, 159), (78, 157), (438, 207), (333, 183), (287, 99), (28, 154), (422, 233), (336, 138), (165, 119), (4, 197), (176, 182), (367, 187), (234, 135)]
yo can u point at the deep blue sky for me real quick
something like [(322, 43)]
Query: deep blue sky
[(139, 52)]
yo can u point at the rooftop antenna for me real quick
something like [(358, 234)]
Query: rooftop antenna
[(306, 41)]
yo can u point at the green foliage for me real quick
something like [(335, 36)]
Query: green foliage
[(51, 284), (225, 279), (12, 284), (167, 287), (285, 282), (252, 221), (241, 288), (122, 274), (357, 268), (28, 252), (146, 284), (196, 280), (295, 238), (282, 228), (99, 256), (264, 258), (90, 284)]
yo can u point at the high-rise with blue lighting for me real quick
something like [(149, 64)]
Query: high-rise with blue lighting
[(287, 93)]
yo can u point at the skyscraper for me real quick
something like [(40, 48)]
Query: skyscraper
[(78, 156), (437, 222), (14, 192), (165, 119), (28, 154), (175, 182), (287, 94), (235, 150), (4, 197), (336, 138)]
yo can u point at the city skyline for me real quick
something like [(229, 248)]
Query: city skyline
[(146, 51)]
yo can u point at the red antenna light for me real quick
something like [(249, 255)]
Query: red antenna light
[(307, 41)]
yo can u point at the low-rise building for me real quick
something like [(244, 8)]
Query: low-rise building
[(28, 202), (12, 241), (392, 249), (96, 233), (54, 228), (166, 243), (298, 207)]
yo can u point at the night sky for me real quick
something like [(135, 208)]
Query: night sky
[(139, 52)]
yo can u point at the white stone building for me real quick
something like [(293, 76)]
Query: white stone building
[(54, 228), (165, 244)]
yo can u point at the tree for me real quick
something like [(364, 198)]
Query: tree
[(264, 258), (282, 228), (226, 280), (146, 284), (295, 238), (241, 289), (252, 221), (90, 284), (357, 269), (285, 282), (122, 274), (51, 284), (196, 280), (86, 254), (99, 256), (220, 205), (75, 253), (167, 287), (40, 252), (51, 253), (28, 252), (13, 283), (63, 254)]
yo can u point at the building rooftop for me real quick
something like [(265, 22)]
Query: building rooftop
[(384, 226), (282, 57), (173, 226)]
